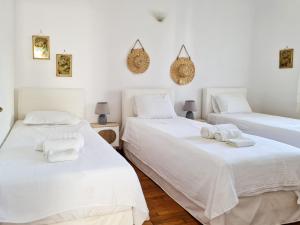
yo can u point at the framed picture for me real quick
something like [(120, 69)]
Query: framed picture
[(286, 58), (41, 47), (63, 65)]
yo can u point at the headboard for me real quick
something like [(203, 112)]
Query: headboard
[(128, 95), (61, 99), (209, 92)]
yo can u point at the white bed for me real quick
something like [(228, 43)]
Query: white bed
[(283, 129), (98, 188), (210, 179)]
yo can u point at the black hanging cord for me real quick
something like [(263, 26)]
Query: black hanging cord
[(137, 42), (183, 48)]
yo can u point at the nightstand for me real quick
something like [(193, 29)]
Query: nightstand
[(109, 132)]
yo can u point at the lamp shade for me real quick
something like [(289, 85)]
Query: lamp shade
[(189, 105), (102, 108)]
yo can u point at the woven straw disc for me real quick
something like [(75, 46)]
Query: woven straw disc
[(182, 71), (138, 60)]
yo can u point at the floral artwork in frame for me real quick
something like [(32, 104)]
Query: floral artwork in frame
[(63, 65), (41, 47), (286, 58)]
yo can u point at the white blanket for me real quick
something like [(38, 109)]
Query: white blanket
[(283, 129), (32, 189), (208, 172)]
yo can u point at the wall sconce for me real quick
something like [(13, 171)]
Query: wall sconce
[(160, 16)]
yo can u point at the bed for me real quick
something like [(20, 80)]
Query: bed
[(100, 187), (216, 183), (283, 129)]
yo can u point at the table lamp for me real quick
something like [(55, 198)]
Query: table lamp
[(189, 107), (102, 110)]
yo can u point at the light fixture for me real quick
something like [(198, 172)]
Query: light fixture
[(102, 110), (160, 16), (189, 107)]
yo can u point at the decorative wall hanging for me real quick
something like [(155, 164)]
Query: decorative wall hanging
[(286, 58), (138, 60), (41, 47), (183, 69), (63, 65)]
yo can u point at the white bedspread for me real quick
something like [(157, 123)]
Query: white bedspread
[(212, 174), (283, 129), (33, 189)]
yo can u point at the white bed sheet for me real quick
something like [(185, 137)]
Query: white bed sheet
[(120, 217), (209, 173), (32, 189), (283, 129)]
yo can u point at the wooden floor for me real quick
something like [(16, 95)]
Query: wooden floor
[(163, 209)]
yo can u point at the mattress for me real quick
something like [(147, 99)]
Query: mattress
[(211, 174), (283, 129), (100, 182)]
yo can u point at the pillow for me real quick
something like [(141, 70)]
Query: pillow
[(50, 118), (215, 105), (154, 107), (232, 103)]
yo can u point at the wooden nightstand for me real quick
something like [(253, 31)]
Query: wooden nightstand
[(109, 132)]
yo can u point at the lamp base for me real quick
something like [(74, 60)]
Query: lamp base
[(102, 119), (189, 115)]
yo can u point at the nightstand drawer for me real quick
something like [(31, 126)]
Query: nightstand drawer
[(109, 132)]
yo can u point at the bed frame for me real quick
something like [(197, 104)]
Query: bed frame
[(286, 200), (73, 101), (209, 92), (60, 99)]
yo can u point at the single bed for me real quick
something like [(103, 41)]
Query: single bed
[(283, 129), (216, 183), (100, 187)]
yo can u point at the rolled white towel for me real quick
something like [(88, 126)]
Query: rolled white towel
[(240, 142), (208, 132), (227, 131), (58, 150)]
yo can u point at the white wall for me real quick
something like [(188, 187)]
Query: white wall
[(99, 34), (274, 90), (7, 64)]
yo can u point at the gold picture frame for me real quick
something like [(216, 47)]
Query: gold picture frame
[(286, 57), (41, 47), (63, 65)]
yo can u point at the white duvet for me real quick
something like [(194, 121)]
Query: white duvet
[(212, 174), (33, 189), (283, 129)]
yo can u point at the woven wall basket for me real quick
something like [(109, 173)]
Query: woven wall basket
[(138, 60), (183, 69)]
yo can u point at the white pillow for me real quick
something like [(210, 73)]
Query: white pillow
[(154, 107), (232, 103), (50, 118), (215, 105)]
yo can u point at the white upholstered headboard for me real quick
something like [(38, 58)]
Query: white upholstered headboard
[(209, 92), (60, 99), (128, 96)]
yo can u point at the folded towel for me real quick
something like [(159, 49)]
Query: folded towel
[(208, 132), (58, 150), (60, 136), (240, 142), (227, 131), (60, 156)]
